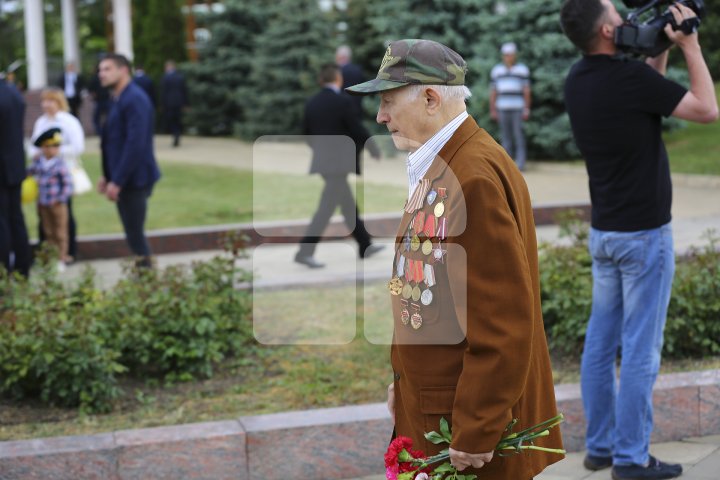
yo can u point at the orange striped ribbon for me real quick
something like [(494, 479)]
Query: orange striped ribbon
[(418, 196)]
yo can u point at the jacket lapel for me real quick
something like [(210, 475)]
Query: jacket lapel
[(466, 130)]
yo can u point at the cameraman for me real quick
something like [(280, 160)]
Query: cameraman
[(616, 107)]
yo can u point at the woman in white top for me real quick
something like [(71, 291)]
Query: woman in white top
[(55, 108)]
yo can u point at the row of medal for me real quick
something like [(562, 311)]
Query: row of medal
[(418, 272)]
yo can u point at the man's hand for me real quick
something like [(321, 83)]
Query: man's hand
[(462, 460), (391, 401), (681, 13), (112, 192), (493, 114), (102, 185)]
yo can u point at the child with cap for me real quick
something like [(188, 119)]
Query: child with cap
[(55, 187)]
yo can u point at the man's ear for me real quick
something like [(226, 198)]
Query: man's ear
[(433, 100), (607, 31)]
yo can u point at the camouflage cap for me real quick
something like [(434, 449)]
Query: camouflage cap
[(417, 62)]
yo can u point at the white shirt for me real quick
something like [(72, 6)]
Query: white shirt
[(73, 143), (419, 161), (70, 84), (510, 83)]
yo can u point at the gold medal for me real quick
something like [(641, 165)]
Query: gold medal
[(416, 293), (439, 209), (407, 291), (416, 321), (427, 247), (395, 286), (415, 243), (405, 316)]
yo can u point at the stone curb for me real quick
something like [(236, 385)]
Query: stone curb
[(92, 247), (323, 444)]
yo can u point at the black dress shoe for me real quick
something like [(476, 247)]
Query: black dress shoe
[(308, 261), (655, 470), (595, 463), (371, 250)]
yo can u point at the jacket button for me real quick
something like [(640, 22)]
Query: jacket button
[(397, 377)]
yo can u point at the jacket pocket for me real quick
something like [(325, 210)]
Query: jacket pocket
[(436, 403)]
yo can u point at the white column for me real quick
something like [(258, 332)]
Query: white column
[(71, 45), (35, 44), (122, 24)]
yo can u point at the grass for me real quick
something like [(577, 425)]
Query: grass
[(271, 378), (193, 195)]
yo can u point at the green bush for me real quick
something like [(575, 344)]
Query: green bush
[(693, 321), (566, 289), (66, 344), (183, 324), (52, 343), (693, 324)]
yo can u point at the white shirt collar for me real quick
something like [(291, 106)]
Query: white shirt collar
[(419, 161)]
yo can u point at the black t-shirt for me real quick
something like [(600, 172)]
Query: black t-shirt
[(616, 107)]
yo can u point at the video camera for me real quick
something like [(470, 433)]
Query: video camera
[(643, 31)]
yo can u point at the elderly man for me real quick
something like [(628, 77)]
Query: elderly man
[(469, 343)]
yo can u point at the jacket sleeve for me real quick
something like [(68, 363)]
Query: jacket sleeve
[(499, 314), (138, 129)]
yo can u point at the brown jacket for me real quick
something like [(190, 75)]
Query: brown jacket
[(479, 357)]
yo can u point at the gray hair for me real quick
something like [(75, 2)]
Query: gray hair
[(447, 92)]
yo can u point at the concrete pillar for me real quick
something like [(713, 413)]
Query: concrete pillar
[(35, 44), (71, 44), (122, 23)]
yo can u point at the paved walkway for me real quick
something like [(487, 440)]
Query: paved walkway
[(696, 208), (700, 458)]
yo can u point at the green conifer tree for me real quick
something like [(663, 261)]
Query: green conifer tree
[(286, 59), (215, 81), (161, 37)]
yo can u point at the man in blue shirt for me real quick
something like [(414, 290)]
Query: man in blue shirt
[(128, 161)]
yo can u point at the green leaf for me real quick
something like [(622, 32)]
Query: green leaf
[(444, 468), (404, 456), (435, 438), (445, 429)]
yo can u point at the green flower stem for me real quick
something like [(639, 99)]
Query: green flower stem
[(535, 447)]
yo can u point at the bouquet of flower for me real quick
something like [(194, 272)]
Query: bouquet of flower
[(404, 463)]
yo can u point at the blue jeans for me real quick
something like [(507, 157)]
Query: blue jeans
[(632, 281), (513, 138), (132, 207)]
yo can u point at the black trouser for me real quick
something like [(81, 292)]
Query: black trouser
[(132, 207), (13, 233), (336, 192), (173, 121), (72, 231)]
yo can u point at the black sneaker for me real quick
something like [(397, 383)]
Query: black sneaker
[(656, 470), (596, 463), (370, 250)]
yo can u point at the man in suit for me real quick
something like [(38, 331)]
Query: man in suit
[(72, 84), (13, 233), (128, 160), (337, 138), (469, 343), (174, 98), (352, 75), (145, 82)]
